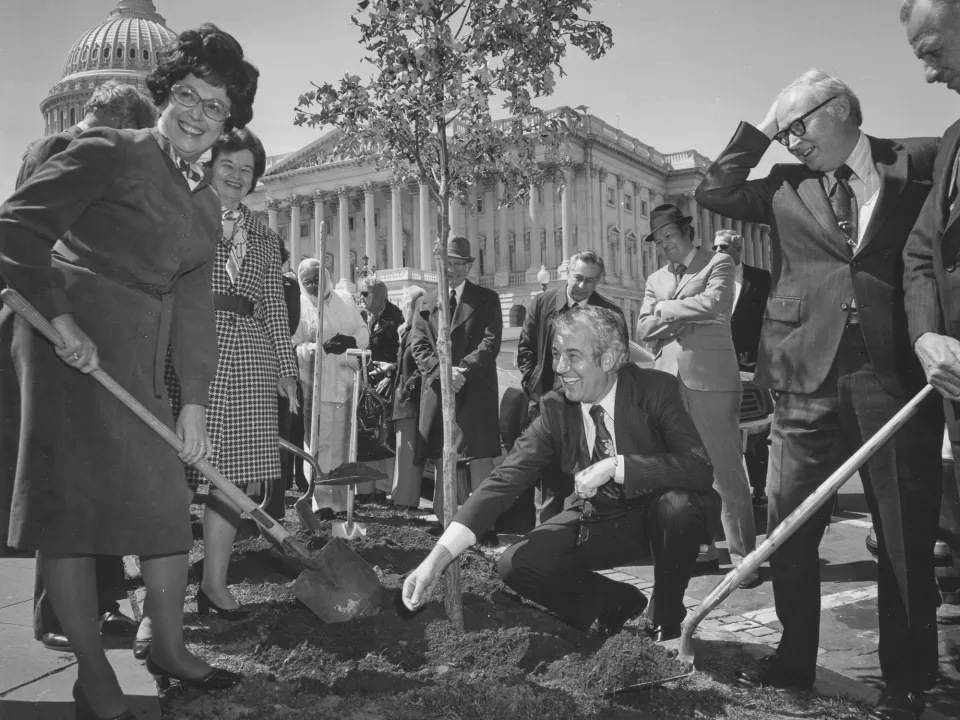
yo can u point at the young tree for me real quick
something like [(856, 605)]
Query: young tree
[(425, 115)]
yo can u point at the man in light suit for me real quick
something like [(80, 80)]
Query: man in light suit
[(686, 312), (643, 482), (836, 350), (476, 326)]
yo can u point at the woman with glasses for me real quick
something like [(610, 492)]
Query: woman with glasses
[(133, 227), (256, 362)]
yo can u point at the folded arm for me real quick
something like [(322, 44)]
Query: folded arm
[(712, 304)]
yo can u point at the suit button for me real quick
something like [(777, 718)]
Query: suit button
[(844, 306), (951, 267), (855, 263)]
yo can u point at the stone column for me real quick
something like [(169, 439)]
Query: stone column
[(566, 220), (396, 225), (295, 255), (369, 228), (502, 277), (317, 197), (622, 249), (343, 195), (590, 186), (548, 219), (490, 226), (273, 205), (426, 247), (534, 213)]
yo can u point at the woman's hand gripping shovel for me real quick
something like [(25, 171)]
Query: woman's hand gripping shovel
[(335, 586)]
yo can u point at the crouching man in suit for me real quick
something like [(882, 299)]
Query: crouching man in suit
[(643, 481)]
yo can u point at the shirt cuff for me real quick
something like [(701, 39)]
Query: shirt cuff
[(618, 475), (457, 538)]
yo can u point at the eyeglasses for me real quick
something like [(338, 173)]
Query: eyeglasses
[(188, 97), (797, 127)]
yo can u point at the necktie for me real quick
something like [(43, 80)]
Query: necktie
[(236, 239), (191, 172), (679, 269), (608, 494), (844, 204), (453, 303)]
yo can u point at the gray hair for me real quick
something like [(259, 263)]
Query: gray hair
[(827, 86), (608, 327), (125, 103), (411, 294), (374, 285), (941, 6), (590, 258), (729, 235)]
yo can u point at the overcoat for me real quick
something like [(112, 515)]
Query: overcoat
[(747, 321), (255, 350), (476, 329), (133, 265)]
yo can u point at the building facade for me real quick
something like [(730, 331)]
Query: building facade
[(123, 48), (601, 202)]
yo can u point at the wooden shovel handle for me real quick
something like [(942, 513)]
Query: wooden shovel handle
[(794, 520), (19, 305)]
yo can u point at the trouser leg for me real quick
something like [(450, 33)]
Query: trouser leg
[(675, 525)]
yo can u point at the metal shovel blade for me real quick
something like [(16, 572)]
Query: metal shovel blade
[(351, 474), (343, 586)]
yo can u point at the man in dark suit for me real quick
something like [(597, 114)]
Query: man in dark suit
[(751, 290), (476, 326), (835, 348), (930, 278), (116, 105), (643, 482), (535, 362)]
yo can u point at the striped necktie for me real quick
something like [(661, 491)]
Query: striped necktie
[(235, 237)]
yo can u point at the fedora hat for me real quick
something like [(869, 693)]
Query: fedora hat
[(458, 248), (663, 215)]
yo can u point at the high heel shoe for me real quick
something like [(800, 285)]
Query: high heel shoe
[(141, 648), (216, 679), (83, 711), (205, 605)]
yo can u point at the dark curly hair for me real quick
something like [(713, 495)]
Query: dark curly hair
[(242, 139), (215, 57)]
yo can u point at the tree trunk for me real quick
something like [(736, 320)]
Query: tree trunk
[(453, 600)]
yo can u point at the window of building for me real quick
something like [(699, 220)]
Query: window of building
[(106, 52), (540, 196), (480, 203), (350, 223), (119, 51), (283, 232), (611, 197), (96, 51), (643, 208), (304, 229), (628, 202), (133, 53), (376, 217), (73, 117), (146, 54)]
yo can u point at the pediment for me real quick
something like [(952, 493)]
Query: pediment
[(317, 153)]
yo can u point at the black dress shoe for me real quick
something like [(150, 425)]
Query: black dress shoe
[(769, 672), (662, 633), (707, 567), (611, 622), (216, 679), (898, 705), (141, 648), (118, 625), (83, 711), (205, 605), (56, 642)]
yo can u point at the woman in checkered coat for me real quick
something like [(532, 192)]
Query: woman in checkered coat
[(256, 362)]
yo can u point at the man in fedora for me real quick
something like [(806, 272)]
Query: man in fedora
[(686, 312), (476, 325)]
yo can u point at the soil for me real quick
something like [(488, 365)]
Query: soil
[(513, 661)]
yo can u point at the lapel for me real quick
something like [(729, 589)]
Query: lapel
[(699, 262), (949, 183), (890, 160), (469, 301), (815, 198)]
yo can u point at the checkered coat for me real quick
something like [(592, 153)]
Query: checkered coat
[(254, 352)]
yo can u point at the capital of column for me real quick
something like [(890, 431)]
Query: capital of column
[(318, 197), (620, 180), (369, 187), (295, 200), (273, 204), (395, 184), (343, 191), (601, 172)]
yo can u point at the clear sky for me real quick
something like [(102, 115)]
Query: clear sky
[(681, 74)]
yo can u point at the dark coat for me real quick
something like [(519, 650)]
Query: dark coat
[(747, 321), (406, 402), (291, 298), (385, 335), (134, 267), (476, 329), (657, 438), (814, 271), (535, 347)]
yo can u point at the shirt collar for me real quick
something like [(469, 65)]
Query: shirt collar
[(688, 260), (459, 290), (608, 402), (861, 159), (84, 126), (738, 273)]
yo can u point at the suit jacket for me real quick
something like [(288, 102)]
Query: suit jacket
[(692, 331), (475, 331), (815, 273), (661, 448), (535, 347), (931, 255), (406, 403), (41, 150), (385, 334), (747, 321)]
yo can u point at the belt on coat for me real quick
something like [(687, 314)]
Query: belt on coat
[(233, 303)]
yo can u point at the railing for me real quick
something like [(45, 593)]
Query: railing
[(406, 274), (517, 278), (687, 159), (486, 281)]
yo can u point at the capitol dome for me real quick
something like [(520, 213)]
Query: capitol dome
[(124, 48)]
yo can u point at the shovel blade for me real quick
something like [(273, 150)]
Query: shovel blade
[(348, 530), (342, 588)]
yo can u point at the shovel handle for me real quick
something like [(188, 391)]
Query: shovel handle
[(29, 313), (794, 520)]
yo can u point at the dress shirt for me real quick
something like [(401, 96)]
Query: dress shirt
[(84, 126), (459, 291), (737, 283), (457, 538), (865, 183)]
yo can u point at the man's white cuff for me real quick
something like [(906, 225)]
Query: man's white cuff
[(457, 538), (618, 474)]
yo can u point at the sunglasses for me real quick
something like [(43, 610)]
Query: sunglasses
[(583, 533), (189, 97), (798, 127)]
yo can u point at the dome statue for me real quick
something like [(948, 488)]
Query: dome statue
[(123, 48)]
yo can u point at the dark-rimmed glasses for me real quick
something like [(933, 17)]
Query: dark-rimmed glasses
[(798, 127), (189, 97)]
